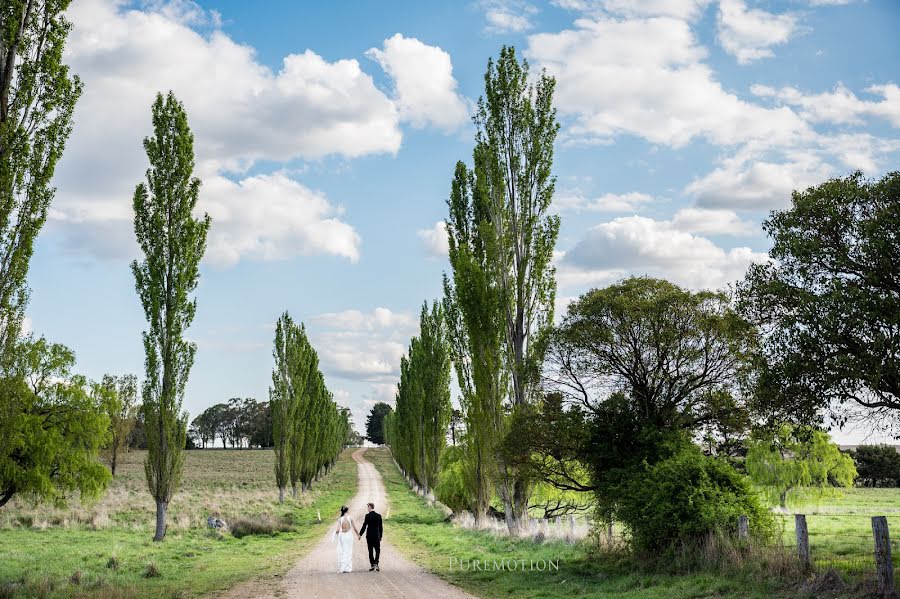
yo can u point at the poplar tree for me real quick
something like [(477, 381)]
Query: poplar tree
[(173, 242), (516, 127), (433, 370), (281, 402)]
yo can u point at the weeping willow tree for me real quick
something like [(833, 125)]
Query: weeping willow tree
[(309, 429)]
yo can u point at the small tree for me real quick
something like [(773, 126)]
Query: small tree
[(120, 397), (173, 242), (791, 458), (375, 422)]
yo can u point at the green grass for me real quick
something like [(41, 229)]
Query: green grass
[(840, 528), (43, 548), (421, 533)]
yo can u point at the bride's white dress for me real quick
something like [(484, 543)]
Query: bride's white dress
[(345, 545)]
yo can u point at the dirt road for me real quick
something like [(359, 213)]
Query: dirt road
[(315, 576)]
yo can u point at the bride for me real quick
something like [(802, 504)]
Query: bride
[(345, 540)]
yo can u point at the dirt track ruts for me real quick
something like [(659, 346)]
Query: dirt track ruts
[(316, 575)]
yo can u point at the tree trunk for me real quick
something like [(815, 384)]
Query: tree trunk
[(280, 494), (782, 498), (7, 495), (112, 465), (294, 491), (161, 507)]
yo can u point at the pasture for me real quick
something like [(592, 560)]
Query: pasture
[(105, 549)]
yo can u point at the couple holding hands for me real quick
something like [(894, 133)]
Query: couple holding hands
[(371, 527)]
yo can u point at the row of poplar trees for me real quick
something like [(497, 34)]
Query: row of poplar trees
[(308, 428), (417, 429), (498, 302)]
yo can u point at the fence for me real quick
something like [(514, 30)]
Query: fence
[(851, 553)]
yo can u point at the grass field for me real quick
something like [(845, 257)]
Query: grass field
[(422, 533), (840, 528), (105, 549)]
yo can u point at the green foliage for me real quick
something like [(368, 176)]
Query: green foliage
[(56, 429), (308, 428), (418, 428), (685, 498), (173, 242), (453, 489), (119, 394), (788, 458), (877, 465), (37, 99), (829, 301), (375, 422)]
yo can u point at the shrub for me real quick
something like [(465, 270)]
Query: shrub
[(265, 524), (685, 498), (452, 489), (152, 571)]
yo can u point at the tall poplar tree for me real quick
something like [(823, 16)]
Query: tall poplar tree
[(433, 369), (173, 242), (516, 127), (281, 402)]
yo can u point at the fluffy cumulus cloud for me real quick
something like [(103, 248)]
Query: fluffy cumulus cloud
[(241, 112), (425, 89), (638, 245), (609, 202), (840, 106), (749, 33), (711, 222), (507, 16), (363, 346), (643, 56), (435, 240)]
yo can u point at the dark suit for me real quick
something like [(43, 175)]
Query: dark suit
[(372, 527)]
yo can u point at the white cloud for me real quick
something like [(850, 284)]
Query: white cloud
[(749, 33), (425, 90), (356, 321), (840, 106), (711, 222), (272, 217), (435, 239), (747, 183), (681, 9), (609, 76), (610, 202), (508, 16), (240, 112), (638, 245), (364, 346)]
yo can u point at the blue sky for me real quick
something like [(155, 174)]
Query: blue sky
[(326, 135)]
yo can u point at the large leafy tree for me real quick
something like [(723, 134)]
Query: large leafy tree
[(375, 422), (877, 465), (829, 302), (646, 363), (516, 129), (37, 98), (787, 458), (119, 394), (173, 241), (56, 431)]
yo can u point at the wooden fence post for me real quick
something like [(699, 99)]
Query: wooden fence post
[(802, 539), (884, 567), (743, 528)]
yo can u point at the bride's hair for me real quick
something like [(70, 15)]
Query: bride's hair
[(344, 510)]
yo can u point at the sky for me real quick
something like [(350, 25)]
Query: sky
[(326, 136)]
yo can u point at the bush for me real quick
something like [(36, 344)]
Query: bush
[(265, 524), (685, 498), (452, 489)]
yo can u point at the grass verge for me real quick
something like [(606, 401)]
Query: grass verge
[(121, 561), (421, 533)]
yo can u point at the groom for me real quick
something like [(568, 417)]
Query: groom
[(372, 527)]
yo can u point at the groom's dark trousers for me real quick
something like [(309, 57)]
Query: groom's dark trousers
[(372, 527)]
